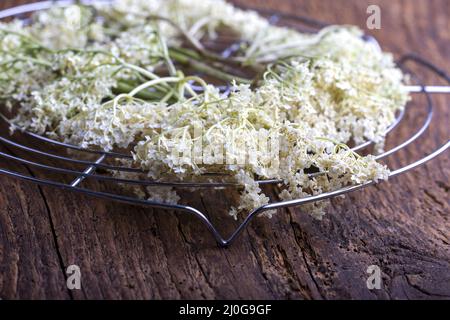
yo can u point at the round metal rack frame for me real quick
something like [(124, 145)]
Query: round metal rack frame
[(92, 166)]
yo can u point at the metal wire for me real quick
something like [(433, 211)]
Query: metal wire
[(90, 171)]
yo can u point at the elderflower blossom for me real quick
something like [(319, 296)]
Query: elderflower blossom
[(319, 92), (198, 18)]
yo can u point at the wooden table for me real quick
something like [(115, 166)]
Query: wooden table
[(123, 251)]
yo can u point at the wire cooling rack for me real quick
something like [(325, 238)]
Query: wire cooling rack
[(67, 154)]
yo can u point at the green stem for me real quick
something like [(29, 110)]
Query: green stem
[(123, 87), (188, 60), (27, 59), (152, 83), (165, 50)]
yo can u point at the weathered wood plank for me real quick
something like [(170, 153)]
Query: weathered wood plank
[(130, 252)]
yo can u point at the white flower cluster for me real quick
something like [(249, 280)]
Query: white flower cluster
[(106, 78), (263, 41), (310, 104)]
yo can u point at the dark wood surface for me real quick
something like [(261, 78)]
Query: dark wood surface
[(135, 253)]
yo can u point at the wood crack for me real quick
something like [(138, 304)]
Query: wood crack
[(433, 197), (260, 265), (51, 223), (290, 270), (301, 245), (423, 291), (180, 229), (55, 238)]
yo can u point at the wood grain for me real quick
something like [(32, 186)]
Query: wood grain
[(127, 252)]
